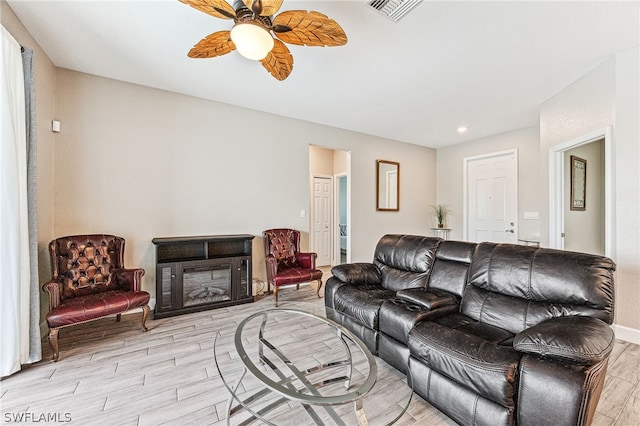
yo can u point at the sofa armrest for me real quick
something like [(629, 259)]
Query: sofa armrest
[(307, 260), (54, 289), (579, 340), (358, 273), (128, 279), (429, 299)]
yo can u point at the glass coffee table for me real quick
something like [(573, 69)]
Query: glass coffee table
[(292, 365)]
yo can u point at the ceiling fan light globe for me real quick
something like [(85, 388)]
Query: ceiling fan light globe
[(252, 40)]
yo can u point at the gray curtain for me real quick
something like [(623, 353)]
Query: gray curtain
[(35, 351)]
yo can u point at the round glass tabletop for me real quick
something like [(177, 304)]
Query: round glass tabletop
[(293, 365)]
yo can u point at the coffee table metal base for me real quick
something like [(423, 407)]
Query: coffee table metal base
[(285, 376)]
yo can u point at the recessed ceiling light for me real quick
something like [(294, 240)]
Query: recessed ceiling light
[(462, 129)]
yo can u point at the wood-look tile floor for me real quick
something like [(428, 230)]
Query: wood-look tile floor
[(111, 373)]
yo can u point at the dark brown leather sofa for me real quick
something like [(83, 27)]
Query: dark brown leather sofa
[(490, 334)]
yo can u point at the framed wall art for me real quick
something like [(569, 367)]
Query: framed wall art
[(578, 183)]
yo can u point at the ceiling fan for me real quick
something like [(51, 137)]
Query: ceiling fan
[(251, 35)]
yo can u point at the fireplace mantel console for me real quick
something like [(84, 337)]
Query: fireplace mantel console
[(198, 273)]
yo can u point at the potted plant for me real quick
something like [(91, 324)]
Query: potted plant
[(441, 211)]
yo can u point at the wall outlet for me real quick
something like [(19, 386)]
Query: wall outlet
[(531, 215), (303, 213)]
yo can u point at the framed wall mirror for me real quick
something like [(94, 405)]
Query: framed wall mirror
[(387, 186), (578, 183)]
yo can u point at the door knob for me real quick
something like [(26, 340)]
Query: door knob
[(509, 230)]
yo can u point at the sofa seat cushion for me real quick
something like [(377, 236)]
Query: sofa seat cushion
[(93, 306), (486, 368), (296, 275), (362, 302)]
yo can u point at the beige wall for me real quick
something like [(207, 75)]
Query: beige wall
[(44, 73), (627, 195), (584, 229), (585, 106), (145, 163), (321, 161), (450, 176), (340, 162), (606, 96)]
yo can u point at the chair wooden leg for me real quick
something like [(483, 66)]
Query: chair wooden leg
[(298, 286), (53, 341), (319, 287), (275, 294), (118, 317), (145, 315)]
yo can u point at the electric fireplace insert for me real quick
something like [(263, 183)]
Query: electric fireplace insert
[(198, 273)]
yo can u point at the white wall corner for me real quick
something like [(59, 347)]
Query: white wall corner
[(627, 334)]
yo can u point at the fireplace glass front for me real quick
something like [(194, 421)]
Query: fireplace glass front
[(206, 284)]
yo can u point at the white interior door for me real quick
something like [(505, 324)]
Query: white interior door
[(492, 197), (321, 221)]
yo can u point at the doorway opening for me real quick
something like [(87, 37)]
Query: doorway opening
[(589, 229), (342, 195), (330, 213)]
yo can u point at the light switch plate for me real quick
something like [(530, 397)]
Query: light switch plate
[(531, 215), (303, 213)]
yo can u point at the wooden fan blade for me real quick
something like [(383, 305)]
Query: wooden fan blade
[(216, 44), (218, 8), (279, 61), (263, 7), (309, 29)]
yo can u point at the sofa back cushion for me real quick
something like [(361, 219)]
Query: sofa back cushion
[(451, 266), (515, 287), (405, 261), (85, 263)]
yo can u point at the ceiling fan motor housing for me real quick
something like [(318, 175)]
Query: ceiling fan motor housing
[(243, 14)]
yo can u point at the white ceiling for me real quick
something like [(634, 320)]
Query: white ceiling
[(487, 65)]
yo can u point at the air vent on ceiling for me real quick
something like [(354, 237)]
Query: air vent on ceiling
[(394, 9)]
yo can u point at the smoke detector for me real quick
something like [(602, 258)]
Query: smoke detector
[(394, 9)]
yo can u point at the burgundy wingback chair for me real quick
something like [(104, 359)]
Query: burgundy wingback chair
[(285, 264), (90, 282)]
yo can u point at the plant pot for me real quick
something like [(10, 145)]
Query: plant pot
[(441, 225)]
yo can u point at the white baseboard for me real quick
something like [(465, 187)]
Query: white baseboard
[(627, 334)]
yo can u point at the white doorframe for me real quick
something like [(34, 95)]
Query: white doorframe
[(556, 193), (336, 216), (465, 189)]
